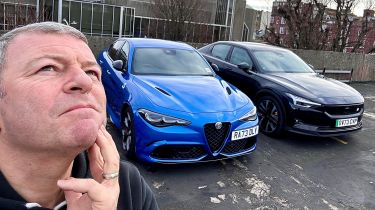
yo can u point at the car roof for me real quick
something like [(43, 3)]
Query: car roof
[(253, 45), (159, 43)]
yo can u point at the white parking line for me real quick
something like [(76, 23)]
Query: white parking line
[(372, 98), (339, 140), (369, 115)]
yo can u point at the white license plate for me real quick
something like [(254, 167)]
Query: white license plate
[(245, 133), (346, 122)]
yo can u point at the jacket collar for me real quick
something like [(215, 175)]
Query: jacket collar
[(8, 194)]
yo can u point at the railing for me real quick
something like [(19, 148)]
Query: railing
[(342, 75)]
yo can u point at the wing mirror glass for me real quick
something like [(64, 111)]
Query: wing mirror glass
[(118, 65)]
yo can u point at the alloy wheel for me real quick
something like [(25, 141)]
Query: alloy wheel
[(269, 116), (127, 132)]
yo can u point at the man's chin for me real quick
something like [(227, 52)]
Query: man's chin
[(84, 134)]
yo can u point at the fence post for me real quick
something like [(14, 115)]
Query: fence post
[(351, 75), (324, 71)]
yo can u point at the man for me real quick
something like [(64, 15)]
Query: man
[(55, 152)]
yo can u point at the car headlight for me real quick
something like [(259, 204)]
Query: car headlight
[(250, 116), (160, 120), (302, 102)]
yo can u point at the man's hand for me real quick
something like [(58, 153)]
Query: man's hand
[(97, 193)]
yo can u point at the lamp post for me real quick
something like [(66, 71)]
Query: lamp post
[(59, 11)]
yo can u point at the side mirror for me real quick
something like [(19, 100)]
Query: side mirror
[(215, 67), (245, 66), (118, 65)]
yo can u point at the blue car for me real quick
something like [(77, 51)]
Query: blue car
[(170, 105)]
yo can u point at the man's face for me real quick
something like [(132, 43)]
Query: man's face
[(54, 96)]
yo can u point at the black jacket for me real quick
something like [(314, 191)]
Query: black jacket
[(135, 194)]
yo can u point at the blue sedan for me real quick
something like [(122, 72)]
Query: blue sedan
[(170, 105)]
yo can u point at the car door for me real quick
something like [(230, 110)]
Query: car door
[(121, 78), (108, 72), (244, 79), (118, 79), (218, 55)]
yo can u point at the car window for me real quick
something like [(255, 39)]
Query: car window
[(114, 48), (161, 61), (220, 51), (124, 53), (240, 55), (280, 61)]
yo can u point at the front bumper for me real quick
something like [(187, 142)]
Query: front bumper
[(184, 144), (312, 130), (321, 121)]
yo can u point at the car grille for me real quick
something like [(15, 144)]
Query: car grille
[(216, 137), (344, 109), (239, 145), (178, 152)]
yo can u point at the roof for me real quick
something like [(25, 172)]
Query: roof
[(159, 43), (253, 45)]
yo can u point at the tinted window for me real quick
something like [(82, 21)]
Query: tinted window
[(114, 48), (280, 61), (240, 55), (162, 61), (124, 53), (220, 51)]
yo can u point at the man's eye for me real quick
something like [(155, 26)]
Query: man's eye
[(47, 68), (92, 73)]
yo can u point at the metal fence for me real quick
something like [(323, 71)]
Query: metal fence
[(14, 14), (100, 19)]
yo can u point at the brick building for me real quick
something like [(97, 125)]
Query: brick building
[(324, 33)]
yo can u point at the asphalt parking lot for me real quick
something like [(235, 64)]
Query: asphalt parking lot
[(294, 172)]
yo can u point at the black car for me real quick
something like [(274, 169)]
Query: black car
[(289, 94)]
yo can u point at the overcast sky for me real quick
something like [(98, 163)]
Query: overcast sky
[(266, 5)]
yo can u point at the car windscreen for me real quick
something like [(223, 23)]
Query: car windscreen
[(162, 61), (275, 61)]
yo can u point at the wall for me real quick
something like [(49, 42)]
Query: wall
[(238, 20), (363, 65), (250, 20)]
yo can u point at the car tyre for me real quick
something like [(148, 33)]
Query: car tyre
[(128, 134), (271, 116)]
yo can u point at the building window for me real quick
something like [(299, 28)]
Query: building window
[(282, 30), (272, 19), (283, 20)]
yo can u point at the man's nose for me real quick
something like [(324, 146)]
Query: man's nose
[(78, 81)]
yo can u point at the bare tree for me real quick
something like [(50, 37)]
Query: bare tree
[(365, 26), (304, 20), (344, 21), (178, 14), (369, 4)]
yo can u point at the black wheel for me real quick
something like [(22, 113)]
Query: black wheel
[(128, 135), (271, 116)]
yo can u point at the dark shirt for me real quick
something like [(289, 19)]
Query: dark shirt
[(135, 194)]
